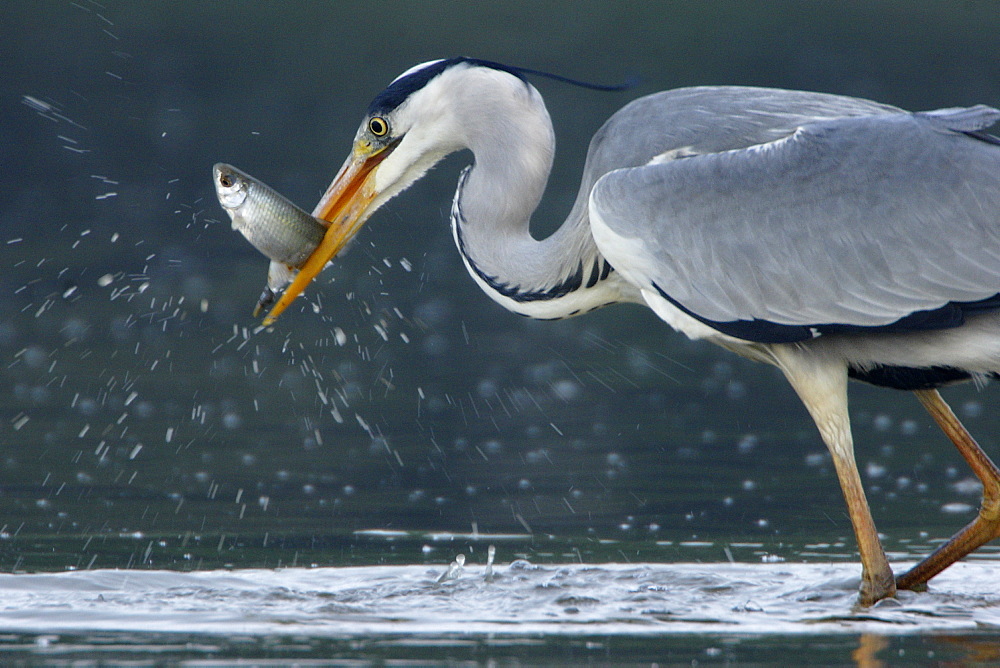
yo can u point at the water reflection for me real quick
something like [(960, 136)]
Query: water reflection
[(606, 650), (869, 646)]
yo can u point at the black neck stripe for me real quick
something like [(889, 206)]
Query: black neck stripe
[(570, 284)]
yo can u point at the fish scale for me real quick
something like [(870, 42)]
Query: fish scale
[(283, 232)]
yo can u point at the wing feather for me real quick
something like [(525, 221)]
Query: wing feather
[(843, 223)]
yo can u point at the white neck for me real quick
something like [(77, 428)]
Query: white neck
[(513, 144)]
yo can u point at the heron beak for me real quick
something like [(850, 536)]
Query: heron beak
[(345, 205)]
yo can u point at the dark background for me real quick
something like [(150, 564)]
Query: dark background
[(146, 421)]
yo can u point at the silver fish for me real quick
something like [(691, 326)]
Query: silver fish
[(275, 226)]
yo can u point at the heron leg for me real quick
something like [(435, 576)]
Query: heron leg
[(822, 386), (986, 526)]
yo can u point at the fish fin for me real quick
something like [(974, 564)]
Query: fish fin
[(266, 299), (279, 275)]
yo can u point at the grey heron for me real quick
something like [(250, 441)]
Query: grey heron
[(830, 236)]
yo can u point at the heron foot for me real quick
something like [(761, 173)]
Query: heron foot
[(876, 588)]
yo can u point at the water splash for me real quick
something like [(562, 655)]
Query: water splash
[(521, 599)]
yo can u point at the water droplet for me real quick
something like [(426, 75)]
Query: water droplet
[(956, 508)]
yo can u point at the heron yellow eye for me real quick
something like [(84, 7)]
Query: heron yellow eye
[(378, 126)]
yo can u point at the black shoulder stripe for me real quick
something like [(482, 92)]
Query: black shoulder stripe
[(907, 378), (952, 314)]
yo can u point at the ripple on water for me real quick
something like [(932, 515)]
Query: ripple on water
[(522, 598)]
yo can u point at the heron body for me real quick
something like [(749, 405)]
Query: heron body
[(830, 236)]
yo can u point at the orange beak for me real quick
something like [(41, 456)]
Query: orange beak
[(345, 206)]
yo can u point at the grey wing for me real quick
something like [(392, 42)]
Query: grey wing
[(889, 220), (706, 119)]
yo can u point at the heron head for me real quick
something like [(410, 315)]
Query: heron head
[(406, 130), (426, 113)]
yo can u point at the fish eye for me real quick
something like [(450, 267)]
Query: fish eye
[(378, 126), (226, 180)]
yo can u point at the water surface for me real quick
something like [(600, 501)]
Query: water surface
[(657, 606), (395, 417)]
